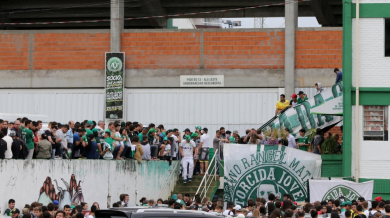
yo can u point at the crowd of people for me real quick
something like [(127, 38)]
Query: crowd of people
[(273, 207)]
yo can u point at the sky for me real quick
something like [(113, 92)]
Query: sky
[(274, 22)]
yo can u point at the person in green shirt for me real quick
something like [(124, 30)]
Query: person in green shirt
[(29, 137), (11, 206), (302, 97), (143, 133), (303, 141), (233, 137), (108, 146)]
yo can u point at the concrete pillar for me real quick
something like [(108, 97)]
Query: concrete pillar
[(291, 23), (117, 24)]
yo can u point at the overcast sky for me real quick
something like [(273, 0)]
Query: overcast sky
[(274, 22)]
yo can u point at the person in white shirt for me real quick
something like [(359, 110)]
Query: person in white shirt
[(175, 145), (8, 139), (290, 139), (187, 152), (204, 148), (229, 211)]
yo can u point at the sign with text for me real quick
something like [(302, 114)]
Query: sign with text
[(115, 68), (202, 81), (343, 190), (255, 171)]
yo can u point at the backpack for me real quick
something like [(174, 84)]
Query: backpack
[(24, 149)]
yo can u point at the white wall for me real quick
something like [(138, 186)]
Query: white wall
[(234, 109), (374, 66), (102, 181), (373, 155), (60, 105)]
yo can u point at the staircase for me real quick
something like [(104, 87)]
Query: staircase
[(191, 187)]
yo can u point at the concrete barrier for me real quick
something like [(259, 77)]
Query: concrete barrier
[(74, 181)]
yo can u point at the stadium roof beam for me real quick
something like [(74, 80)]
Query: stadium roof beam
[(154, 8), (323, 12)]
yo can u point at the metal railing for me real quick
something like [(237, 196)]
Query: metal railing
[(209, 176), (166, 182)]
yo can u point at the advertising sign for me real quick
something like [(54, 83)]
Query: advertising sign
[(253, 171), (115, 72)]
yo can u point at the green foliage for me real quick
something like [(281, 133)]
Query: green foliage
[(329, 146)]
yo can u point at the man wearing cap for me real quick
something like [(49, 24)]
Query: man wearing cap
[(165, 149), (339, 74), (187, 148), (187, 132), (15, 213), (17, 145), (281, 104), (237, 210), (302, 97), (233, 137), (151, 137), (294, 101), (204, 149), (196, 138)]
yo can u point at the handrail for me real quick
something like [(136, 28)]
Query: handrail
[(166, 182), (208, 178)]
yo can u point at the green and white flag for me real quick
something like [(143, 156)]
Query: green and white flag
[(115, 68), (300, 116), (323, 190), (253, 171), (331, 107)]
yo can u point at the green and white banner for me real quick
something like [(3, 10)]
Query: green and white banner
[(300, 116), (253, 171), (115, 68), (323, 190), (331, 107)]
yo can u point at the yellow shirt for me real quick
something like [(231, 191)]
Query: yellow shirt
[(281, 105)]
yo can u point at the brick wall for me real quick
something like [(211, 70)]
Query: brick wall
[(337, 130), (70, 50), (14, 51), (161, 50), (226, 49)]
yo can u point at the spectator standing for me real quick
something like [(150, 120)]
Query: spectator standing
[(138, 149), (339, 75), (302, 97), (151, 138), (126, 142), (77, 144), (281, 104), (204, 149), (294, 101), (28, 135), (218, 143), (234, 137), (146, 148), (196, 138), (16, 128), (44, 148), (90, 150), (11, 206), (290, 138), (119, 148), (17, 146), (69, 134), (319, 88), (318, 140), (61, 138), (10, 126), (303, 141), (187, 152), (175, 145), (108, 146), (8, 140)]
